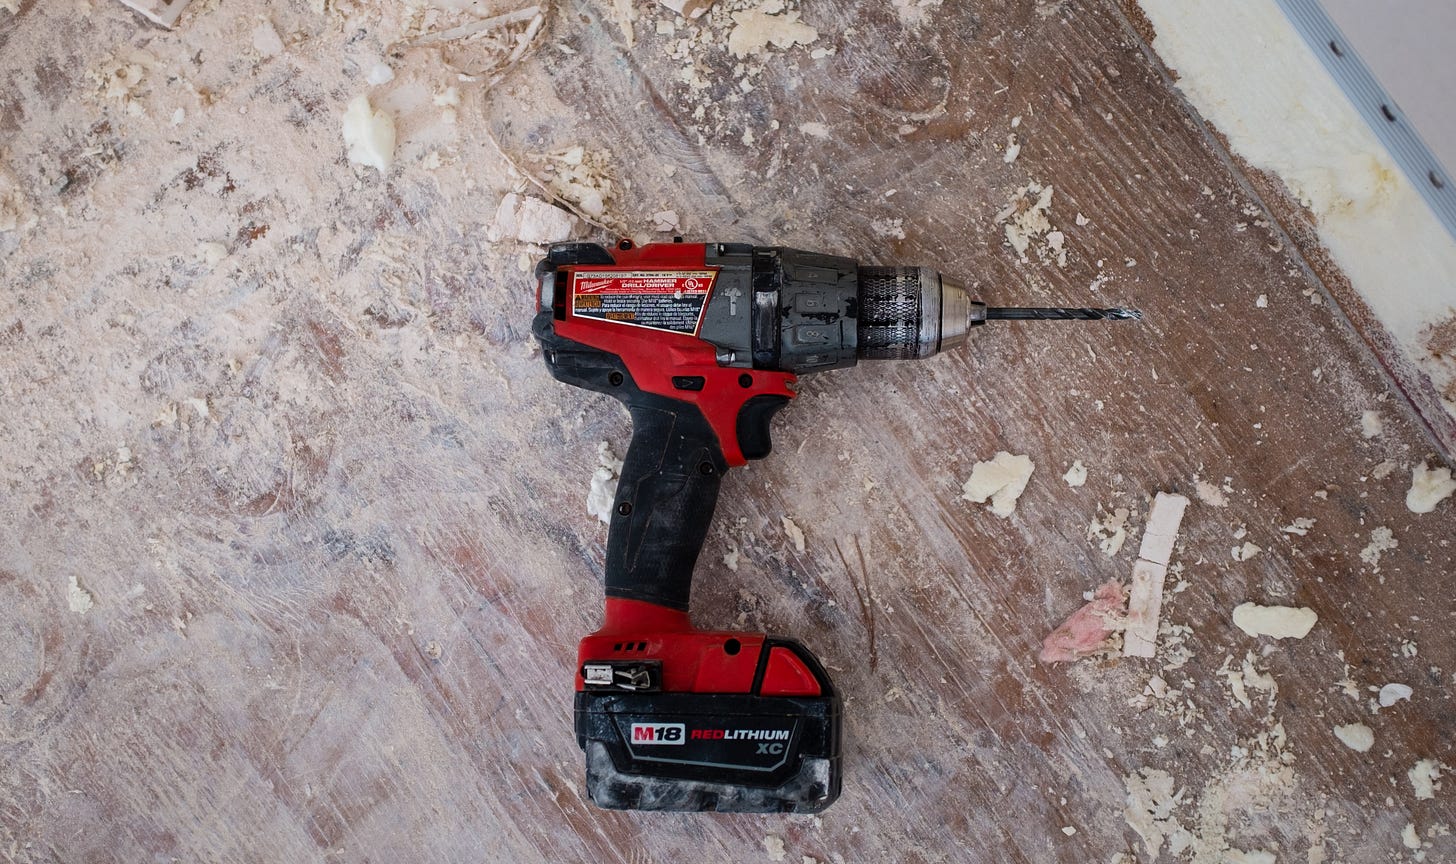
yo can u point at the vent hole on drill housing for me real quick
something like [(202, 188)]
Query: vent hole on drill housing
[(615, 379), (732, 646)]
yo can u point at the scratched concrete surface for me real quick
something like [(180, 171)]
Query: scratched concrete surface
[(295, 552)]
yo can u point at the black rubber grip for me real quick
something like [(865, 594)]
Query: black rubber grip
[(665, 502)]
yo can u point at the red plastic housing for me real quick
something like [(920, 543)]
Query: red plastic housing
[(654, 357)]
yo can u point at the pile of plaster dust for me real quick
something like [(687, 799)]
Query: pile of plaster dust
[(603, 492), (1002, 480), (583, 179), (1026, 218), (1279, 622), (1429, 487)]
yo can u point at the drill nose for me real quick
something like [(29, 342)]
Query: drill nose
[(908, 313), (958, 314)]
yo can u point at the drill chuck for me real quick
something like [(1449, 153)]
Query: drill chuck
[(908, 313)]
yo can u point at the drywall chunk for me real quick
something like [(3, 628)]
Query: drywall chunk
[(1429, 487), (1423, 778), (1299, 526), (77, 597), (794, 533), (665, 221), (1089, 629), (369, 134), (1356, 736), (1077, 474), (1209, 493), (1002, 480), (602, 495), (1393, 693), (1382, 540), (1371, 425), (266, 40), (754, 29), (1280, 622), (531, 220)]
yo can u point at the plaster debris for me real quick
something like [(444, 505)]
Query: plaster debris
[(1013, 149), (1371, 425), (1382, 540), (1424, 777), (1383, 469), (379, 73), (794, 533), (531, 220), (1262, 301), (1356, 736), (1429, 487), (163, 12), (1209, 493), (602, 495), (211, 253), (890, 229), (1089, 630), (77, 597), (1002, 480), (1393, 693), (1279, 622), (665, 222), (730, 558), (688, 8), (774, 846), (756, 29), (1149, 572), (815, 130), (1069, 830), (1026, 218), (1408, 836), (1082, 221), (369, 135), (1246, 551), (1152, 803), (266, 40), (1077, 474), (1110, 530), (1299, 526)]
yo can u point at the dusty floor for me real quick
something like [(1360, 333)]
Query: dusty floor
[(296, 552)]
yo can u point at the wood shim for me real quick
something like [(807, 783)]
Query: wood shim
[(1145, 597)]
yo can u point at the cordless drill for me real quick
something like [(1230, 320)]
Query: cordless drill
[(703, 343)]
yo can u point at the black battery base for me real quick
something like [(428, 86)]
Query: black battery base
[(725, 752)]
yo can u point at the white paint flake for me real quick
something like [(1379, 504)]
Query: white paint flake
[(77, 597), (1077, 474), (1429, 487), (1356, 736), (794, 533)]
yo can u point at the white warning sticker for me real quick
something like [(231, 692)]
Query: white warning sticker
[(671, 300)]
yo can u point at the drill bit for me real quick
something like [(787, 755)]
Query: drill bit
[(1060, 313)]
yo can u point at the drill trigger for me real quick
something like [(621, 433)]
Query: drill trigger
[(752, 426)]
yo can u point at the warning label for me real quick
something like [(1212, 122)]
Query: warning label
[(658, 299)]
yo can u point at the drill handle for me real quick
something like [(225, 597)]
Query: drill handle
[(665, 502)]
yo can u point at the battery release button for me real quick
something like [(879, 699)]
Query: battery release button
[(787, 675)]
